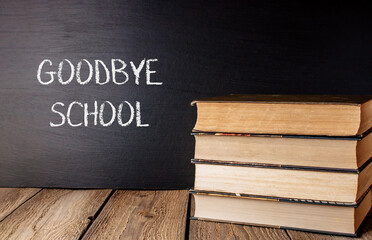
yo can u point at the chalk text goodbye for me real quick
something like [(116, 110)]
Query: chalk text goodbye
[(98, 72)]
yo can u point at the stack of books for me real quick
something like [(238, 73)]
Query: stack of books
[(288, 161)]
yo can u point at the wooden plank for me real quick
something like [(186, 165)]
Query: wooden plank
[(213, 230), (142, 215), (53, 214), (11, 198), (366, 234)]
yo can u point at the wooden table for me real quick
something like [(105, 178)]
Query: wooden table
[(31, 213)]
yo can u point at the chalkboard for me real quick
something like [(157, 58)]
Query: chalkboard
[(57, 127)]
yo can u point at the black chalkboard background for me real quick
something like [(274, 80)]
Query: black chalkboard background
[(204, 48)]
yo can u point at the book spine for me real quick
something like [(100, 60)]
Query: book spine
[(349, 138), (280, 199), (279, 166)]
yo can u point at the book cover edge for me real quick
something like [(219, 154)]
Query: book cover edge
[(281, 199), (281, 166), (221, 99)]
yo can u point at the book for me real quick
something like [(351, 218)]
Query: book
[(310, 216), (299, 183), (323, 115), (349, 154)]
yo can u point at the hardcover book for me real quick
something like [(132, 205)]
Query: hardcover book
[(306, 215), (276, 181), (347, 154), (285, 114)]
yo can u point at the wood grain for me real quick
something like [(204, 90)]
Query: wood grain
[(213, 230), (365, 234), (142, 215), (53, 214), (11, 198)]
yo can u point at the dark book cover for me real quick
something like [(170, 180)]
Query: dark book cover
[(293, 98)]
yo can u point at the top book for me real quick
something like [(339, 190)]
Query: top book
[(319, 115)]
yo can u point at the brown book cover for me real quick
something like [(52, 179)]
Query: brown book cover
[(290, 98)]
